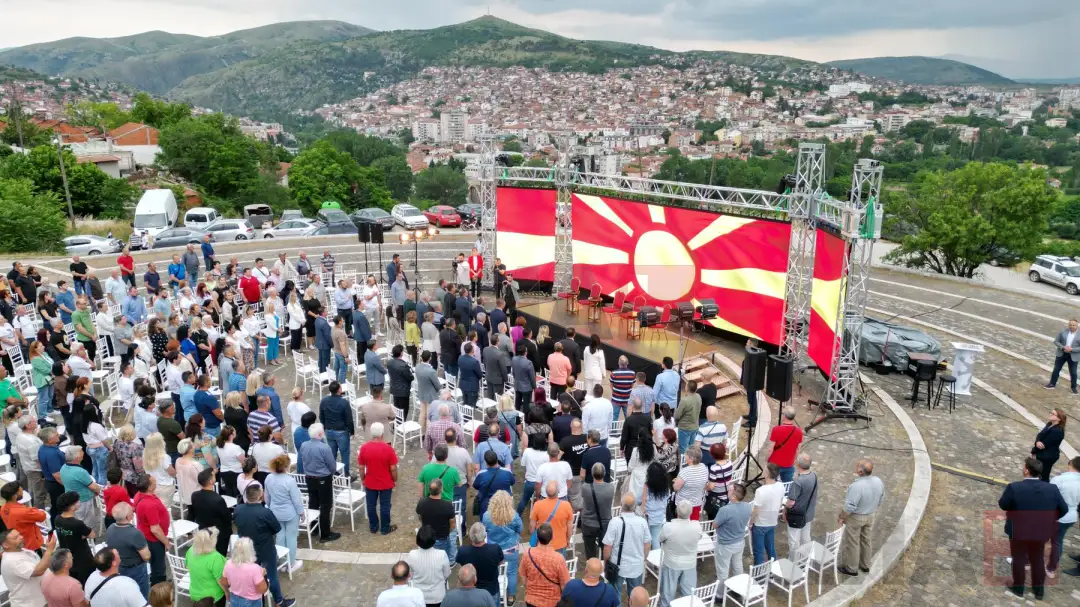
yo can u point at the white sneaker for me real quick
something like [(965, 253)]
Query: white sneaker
[(295, 566)]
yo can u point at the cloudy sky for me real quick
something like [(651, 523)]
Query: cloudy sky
[(1020, 39)]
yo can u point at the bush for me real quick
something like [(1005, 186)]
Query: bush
[(29, 221)]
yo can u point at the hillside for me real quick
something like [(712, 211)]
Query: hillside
[(158, 61), (307, 75), (923, 70)]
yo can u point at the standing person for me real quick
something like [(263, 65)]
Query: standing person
[(73, 533), (205, 566), (344, 302), (489, 481), (503, 526), (531, 460), (786, 439), (427, 387), (324, 340), (637, 426), (339, 338), (597, 499), (692, 483), (678, 543), (496, 365), (556, 512), (801, 504), (470, 376), (296, 322), (75, 477), (121, 591), (654, 498), (767, 501), (594, 365), (484, 557), (666, 384), (1068, 351), (862, 501), (378, 468), (710, 432), (439, 514), (22, 518), (319, 466), (283, 499), (1032, 508), (1047, 447), (58, 586), (730, 524), (1068, 483), (78, 271), (594, 453), (374, 369), (255, 521), (476, 272), (191, 264), (401, 379), (153, 521), (524, 373), (429, 566), (449, 348), (597, 414), (627, 545), (210, 511), (207, 252), (336, 415), (245, 580), (622, 384), (22, 569), (131, 547), (127, 266), (544, 570), (686, 415), (52, 461)]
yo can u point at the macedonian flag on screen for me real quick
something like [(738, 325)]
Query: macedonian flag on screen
[(825, 298), (668, 255), (526, 233)]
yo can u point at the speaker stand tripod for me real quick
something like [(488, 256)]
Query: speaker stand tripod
[(748, 456)]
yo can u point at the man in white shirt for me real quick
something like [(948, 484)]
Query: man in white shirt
[(261, 272), (766, 511), (115, 288), (401, 594), (678, 541), (710, 433), (107, 588), (22, 569), (283, 266), (79, 362), (26, 447), (596, 414), (555, 470), (371, 299)]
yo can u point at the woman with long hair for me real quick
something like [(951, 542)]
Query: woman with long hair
[(251, 389), (129, 453), (205, 449), (199, 337), (640, 457), (503, 526), (205, 567), (296, 322), (96, 438), (272, 332), (231, 458), (518, 330), (236, 416), (536, 423), (283, 498), (593, 366), (172, 325), (187, 474), (412, 335), (188, 349), (655, 495), (41, 367), (540, 401), (47, 307), (144, 416), (157, 463), (664, 422), (668, 452), (213, 306), (84, 398), (159, 339), (1048, 442), (312, 306), (545, 347), (247, 476), (239, 573), (510, 420)]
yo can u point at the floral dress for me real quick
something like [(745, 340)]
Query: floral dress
[(127, 452)]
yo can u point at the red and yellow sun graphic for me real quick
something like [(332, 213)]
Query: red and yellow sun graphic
[(668, 255)]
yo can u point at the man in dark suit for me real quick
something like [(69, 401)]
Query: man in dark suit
[(324, 343), (481, 330), (463, 310), (1032, 508), (495, 364), (470, 376), (449, 298), (401, 378), (449, 347), (571, 350), (478, 309), (497, 316), (638, 425)]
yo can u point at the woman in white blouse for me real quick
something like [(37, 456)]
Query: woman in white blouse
[(429, 566), (252, 329), (157, 464), (105, 324), (296, 409), (231, 457), (186, 301), (296, 322), (594, 366)]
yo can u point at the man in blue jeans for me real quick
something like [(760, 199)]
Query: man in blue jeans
[(627, 542), (764, 515), (336, 415), (255, 521), (378, 467), (439, 515)]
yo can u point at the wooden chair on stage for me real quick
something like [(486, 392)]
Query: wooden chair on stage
[(661, 327), (593, 301), (616, 306), (570, 297), (633, 328)]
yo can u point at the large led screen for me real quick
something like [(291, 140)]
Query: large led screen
[(825, 298), (526, 233), (668, 255)]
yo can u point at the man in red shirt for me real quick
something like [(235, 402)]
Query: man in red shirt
[(786, 439), (476, 272), (127, 266), (153, 521), (377, 464), (250, 287)]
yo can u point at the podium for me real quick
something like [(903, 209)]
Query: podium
[(964, 366)]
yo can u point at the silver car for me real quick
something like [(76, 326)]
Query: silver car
[(225, 230), (289, 227), (409, 217), (91, 245)]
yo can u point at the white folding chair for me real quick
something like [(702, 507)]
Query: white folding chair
[(180, 529), (571, 567), (502, 584), (706, 546), (824, 556), (348, 499), (704, 596), (468, 420), (180, 578), (789, 574), (311, 517), (405, 430), (616, 430), (747, 588)]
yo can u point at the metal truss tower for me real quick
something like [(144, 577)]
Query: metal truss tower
[(564, 235), (859, 220), (809, 181), (488, 238)]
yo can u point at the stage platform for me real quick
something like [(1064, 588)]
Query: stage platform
[(645, 353)]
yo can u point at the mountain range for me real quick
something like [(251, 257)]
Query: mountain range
[(284, 67)]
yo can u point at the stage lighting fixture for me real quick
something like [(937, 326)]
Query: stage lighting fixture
[(708, 309), (420, 234), (787, 183), (648, 316), (432, 231), (683, 310), (405, 237)]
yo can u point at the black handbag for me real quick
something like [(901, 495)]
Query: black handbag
[(611, 570), (796, 519)]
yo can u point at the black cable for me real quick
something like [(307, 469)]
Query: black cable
[(921, 314)]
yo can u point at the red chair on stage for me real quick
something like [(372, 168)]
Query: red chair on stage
[(633, 330), (571, 296), (665, 318), (593, 302), (616, 306)]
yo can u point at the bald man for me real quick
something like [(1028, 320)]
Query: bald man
[(590, 590), (710, 433), (639, 597)]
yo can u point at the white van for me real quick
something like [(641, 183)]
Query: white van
[(200, 217), (156, 212)]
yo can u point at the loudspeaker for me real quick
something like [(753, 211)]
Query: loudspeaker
[(753, 378), (648, 316), (364, 232), (377, 235), (683, 310), (779, 378)]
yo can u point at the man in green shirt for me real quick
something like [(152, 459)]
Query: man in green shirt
[(9, 394), (686, 415), (84, 326), (439, 469)]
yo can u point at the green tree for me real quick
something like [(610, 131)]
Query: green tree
[(512, 145), (93, 192), (29, 220), (406, 136), (103, 115), (957, 220), (442, 184), (32, 134), (370, 190), (537, 161), (398, 176), (322, 172), (363, 148), (158, 114), (211, 152)]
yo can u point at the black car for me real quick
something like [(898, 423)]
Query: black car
[(470, 211), (373, 216), (322, 229)]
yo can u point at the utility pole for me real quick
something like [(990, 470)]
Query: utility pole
[(63, 177)]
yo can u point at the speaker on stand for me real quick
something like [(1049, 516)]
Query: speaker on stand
[(779, 379), (364, 234), (753, 380)]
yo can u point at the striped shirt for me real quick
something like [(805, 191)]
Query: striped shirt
[(694, 479), (647, 396), (710, 433), (720, 477), (257, 419), (622, 382)]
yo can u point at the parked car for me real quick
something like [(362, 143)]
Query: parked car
[(258, 214), (322, 229), (178, 237), (225, 230), (200, 217), (443, 216), (470, 210), (1058, 271), (330, 216), (408, 216), (1004, 258), (91, 245), (290, 227), (288, 214), (373, 216)]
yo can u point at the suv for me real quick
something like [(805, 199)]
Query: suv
[(1058, 271)]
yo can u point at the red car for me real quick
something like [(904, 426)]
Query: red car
[(443, 216)]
